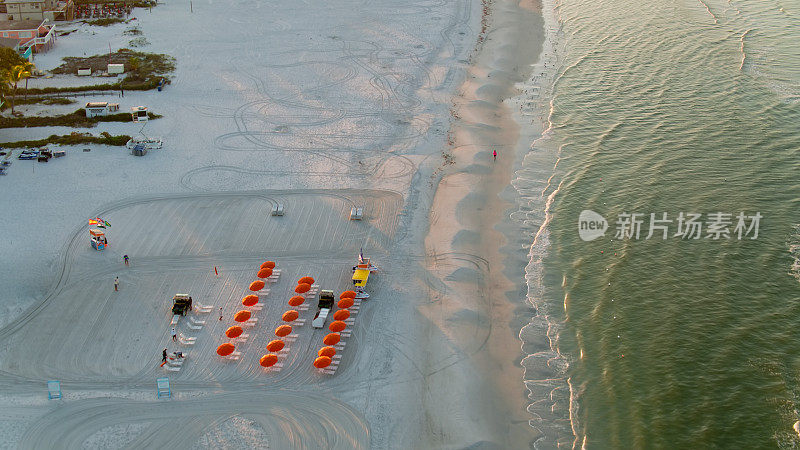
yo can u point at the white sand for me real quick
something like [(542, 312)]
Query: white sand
[(320, 106)]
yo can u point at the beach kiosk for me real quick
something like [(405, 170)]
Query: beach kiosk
[(98, 239), (139, 113)]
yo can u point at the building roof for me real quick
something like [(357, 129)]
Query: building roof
[(9, 42), (24, 1), (97, 104), (12, 25)]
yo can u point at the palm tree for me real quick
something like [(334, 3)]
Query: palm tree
[(15, 75), (5, 85)]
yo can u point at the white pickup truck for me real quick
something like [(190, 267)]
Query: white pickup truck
[(324, 307)]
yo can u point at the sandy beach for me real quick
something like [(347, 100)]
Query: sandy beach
[(321, 108)]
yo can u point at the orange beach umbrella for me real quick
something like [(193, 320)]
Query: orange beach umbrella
[(268, 265), (233, 332), (327, 351), (268, 360), (250, 300), (275, 346), (265, 273), (332, 339), (322, 362), (302, 287), (225, 349), (256, 285), (341, 314), (337, 326), (242, 316), (345, 303), (306, 280), (296, 300), (348, 294), (283, 330), (290, 315)]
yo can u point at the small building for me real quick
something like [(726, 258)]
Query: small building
[(139, 113), (52, 10), (94, 109), (116, 69), (35, 35)]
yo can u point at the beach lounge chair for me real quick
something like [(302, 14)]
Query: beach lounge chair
[(202, 308), (197, 322), (194, 327), (53, 390), (175, 319), (162, 388), (251, 322), (186, 340), (233, 356), (276, 273)]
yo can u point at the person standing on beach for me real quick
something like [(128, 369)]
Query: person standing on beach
[(220, 313), (125, 258), (116, 284), (164, 356), (174, 335), (494, 153)]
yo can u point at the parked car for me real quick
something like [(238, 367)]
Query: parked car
[(29, 154)]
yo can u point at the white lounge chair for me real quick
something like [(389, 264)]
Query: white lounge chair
[(202, 308), (175, 319), (250, 323), (233, 356), (197, 322), (194, 327)]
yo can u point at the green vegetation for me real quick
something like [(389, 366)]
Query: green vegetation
[(40, 100), (13, 69), (77, 119), (71, 139), (104, 22), (140, 41), (144, 71)]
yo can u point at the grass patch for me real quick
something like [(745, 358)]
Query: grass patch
[(77, 119), (104, 22), (39, 100), (71, 139), (143, 71)]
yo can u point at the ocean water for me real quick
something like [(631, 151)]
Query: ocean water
[(678, 108)]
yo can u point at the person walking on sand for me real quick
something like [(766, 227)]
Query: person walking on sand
[(220, 313), (116, 284), (494, 153), (174, 335), (125, 258), (163, 356)]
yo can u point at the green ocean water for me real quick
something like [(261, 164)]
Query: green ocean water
[(676, 107)]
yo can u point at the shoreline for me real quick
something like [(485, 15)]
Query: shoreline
[(471, 236)]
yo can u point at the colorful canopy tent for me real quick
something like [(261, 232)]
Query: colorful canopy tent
[(225, 349), (341, 314), (337, 326), (290, 315), (275, 346), (345, 303), (250, 300), (348, 294), (242, 316), (302, 288), (332, 339), (284, 330), (327, 351), (306, 280), (257, 285), (265, 273), (322, 362), (268, 265), (233, 332), (268, 360)]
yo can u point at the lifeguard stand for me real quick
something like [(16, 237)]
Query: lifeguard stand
[(98, 239)]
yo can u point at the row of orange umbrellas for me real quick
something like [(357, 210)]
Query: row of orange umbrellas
[(290, 315), (244, 315), (325, 354)]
